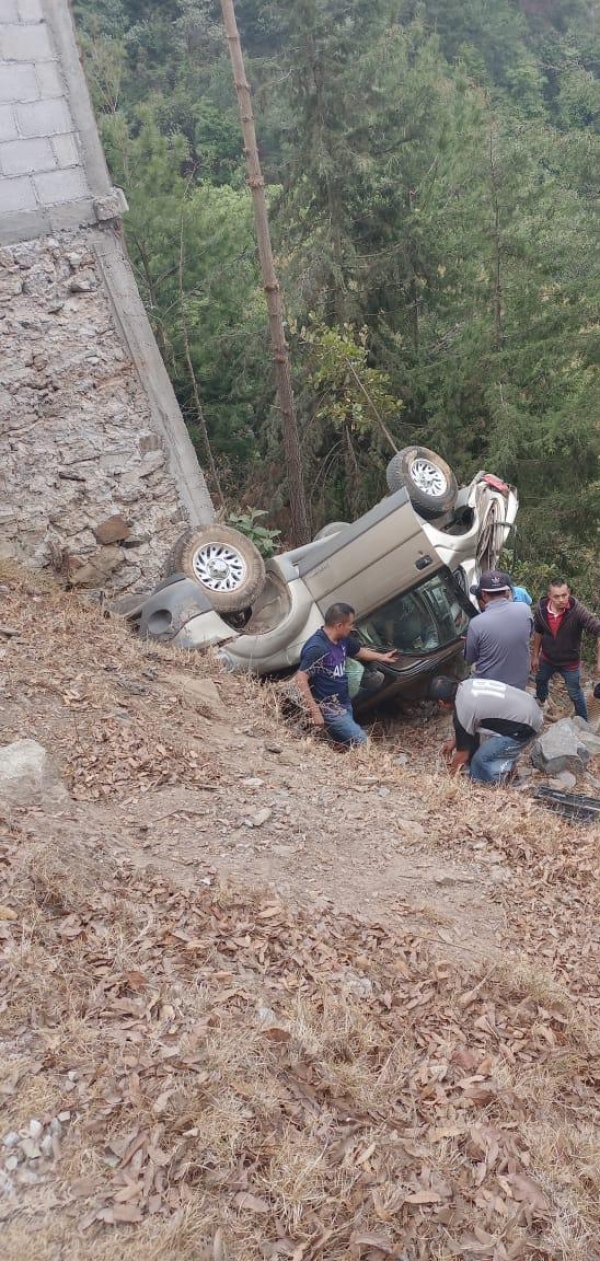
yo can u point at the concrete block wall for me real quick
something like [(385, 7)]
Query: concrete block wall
[(42, 164), (89, 425)]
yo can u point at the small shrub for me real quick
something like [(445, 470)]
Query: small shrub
[(262, 537)]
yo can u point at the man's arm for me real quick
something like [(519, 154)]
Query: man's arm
[(369, 654), (472, 642), (465, 745), (302, 682), (590, 623), (535, 651)]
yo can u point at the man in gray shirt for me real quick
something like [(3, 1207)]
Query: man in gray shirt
[(509, 716), (498, 640)]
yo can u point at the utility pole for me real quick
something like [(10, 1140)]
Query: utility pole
[(281, 362)]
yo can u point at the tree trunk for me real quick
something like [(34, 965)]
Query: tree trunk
[(291, 440), (495, 179)]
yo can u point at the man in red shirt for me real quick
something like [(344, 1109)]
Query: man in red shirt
[(559, 623)]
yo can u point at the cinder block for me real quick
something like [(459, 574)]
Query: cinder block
[(66, 151), (18, 83), (30, 10), (60, 186), (71, 214), (44, 118), (18, 194), (25, 43), (48, 77), (26, 157), (8, 126), (24, 225), (9, 11)]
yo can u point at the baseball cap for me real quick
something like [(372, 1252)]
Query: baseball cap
[(492, 580), (441, 688)]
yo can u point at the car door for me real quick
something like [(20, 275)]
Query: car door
[(383, 553)]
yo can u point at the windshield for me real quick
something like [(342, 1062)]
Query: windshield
[(417, 622)]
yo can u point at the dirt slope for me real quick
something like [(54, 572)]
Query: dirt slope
[(262, 1000)]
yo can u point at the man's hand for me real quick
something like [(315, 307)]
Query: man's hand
[(460, 758), (389, 656), (448, 747), (316, 717), (535, 664)]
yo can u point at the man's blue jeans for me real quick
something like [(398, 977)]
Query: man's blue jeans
[(340, 724), (572, 680), (495, 759)]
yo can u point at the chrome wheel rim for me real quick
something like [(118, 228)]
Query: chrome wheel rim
[(429, 478), (219, 567)]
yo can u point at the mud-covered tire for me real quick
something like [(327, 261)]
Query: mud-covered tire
[(225, 563), (429, 481), (326, 532)]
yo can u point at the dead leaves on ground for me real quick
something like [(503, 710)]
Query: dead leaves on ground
[(228, 1064)]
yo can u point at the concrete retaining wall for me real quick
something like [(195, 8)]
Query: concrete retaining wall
[(89, 426)]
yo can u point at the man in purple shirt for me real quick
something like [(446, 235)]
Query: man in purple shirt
[(322, 679)]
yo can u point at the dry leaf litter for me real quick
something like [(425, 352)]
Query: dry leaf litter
[(199, 1068)]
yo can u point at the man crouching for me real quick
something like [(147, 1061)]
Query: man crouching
[(322, 679), (509, 716)]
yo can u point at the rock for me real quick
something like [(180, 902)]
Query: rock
[(202, 694), (95, 571), (257, 820), (567, 780), (271, 746), (586, 735), (560, 748), (28, 776), (114, 530)]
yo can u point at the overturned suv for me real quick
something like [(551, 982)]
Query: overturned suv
[(406, 567)]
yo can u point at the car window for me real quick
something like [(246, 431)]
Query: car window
[(417, 622)]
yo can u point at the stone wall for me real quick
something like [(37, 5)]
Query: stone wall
[(98, 475), (79, 443)]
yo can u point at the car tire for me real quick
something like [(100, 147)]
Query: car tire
[(334, 527), (430, 482), (225, 563)]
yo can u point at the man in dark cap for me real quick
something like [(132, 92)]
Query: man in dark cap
[(497, 643), (509, 716)]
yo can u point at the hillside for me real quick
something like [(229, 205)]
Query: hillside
[(260, 1000)]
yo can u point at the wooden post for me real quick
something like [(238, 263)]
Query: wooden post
[(281, 362)]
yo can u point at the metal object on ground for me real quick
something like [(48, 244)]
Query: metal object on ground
[(574, 806)]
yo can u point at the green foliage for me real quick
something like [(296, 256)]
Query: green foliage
[(248, 523), (437, 224)]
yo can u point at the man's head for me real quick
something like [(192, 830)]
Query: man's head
[(493, 585), (443, 690), (559, 594), (339, 621)]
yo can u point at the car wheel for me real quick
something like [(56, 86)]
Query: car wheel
[(334, 527), (226, 564), (429, 481)]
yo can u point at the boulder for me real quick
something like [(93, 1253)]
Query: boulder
[(28, 776), (586, 734), (560, 748), (201, 694)]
